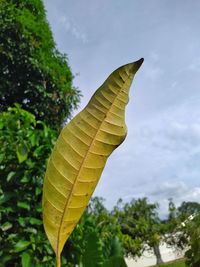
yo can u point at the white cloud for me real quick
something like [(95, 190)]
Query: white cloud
[(70, 27), (178, 191), (159, 159)]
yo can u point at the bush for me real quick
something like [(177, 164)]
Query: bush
[(25, 146)]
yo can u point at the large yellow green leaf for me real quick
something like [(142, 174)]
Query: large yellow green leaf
[(80, 154)]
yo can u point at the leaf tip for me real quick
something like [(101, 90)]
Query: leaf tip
[(137, 64)]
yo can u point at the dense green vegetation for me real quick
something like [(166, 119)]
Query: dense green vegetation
[(184, 230), (35, 76), (32, 71), (26, 144)]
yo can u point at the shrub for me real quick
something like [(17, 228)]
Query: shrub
[(25, 146)]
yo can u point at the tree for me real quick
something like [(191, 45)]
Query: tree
[(32, 71), (187, 209), (184, 230), (25, 146), (178, 225), (140, 226), (193, 253)]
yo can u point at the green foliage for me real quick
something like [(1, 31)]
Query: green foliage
[(188, 208), (116, 247), (25, 146), (184, 231), (93, 255), (193, 253), (140, 225), (116, 258), (32, 71), (26, 259), (105, 223)]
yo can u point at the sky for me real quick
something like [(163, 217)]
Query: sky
[(160, 156)]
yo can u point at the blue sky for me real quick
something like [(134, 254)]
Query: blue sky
[(160, 156)]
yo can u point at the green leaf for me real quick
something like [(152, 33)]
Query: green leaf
[(21, 245), (6, 226), (48, 249), (31, 230), (38, 190), (22, 221), (35, 221), (22, 152), (24, 179), (6, 196), (10, 176), (26, 259), (38, 151), (116, 247), (23, 205), (93, 255), (34, 139)]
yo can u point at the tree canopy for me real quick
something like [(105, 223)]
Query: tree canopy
[(33, 72), (140, 226), (188, 208)]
